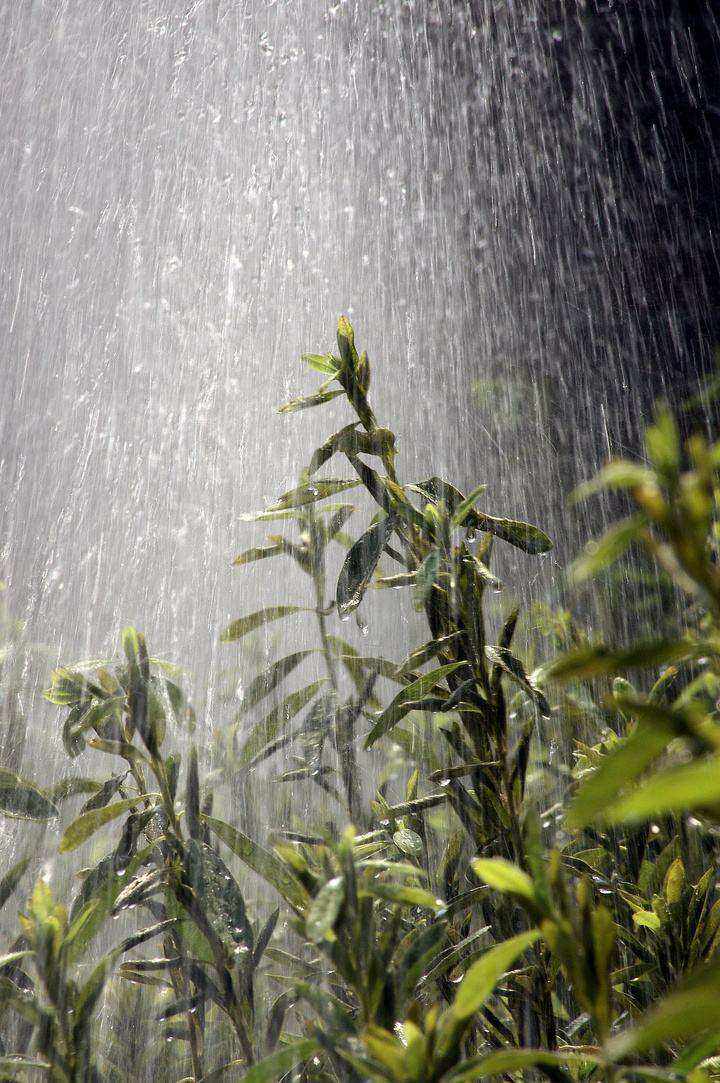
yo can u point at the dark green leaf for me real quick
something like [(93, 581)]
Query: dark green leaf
[(513, 667), (399, 706), (360, 563), (265, 863), (23, 800)]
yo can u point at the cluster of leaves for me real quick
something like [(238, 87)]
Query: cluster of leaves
[(471, 920)]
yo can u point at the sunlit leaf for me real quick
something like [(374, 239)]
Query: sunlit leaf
[(504, 876), (86, 825), (482, 977)]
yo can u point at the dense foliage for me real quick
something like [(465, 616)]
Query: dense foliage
[(460, 931)]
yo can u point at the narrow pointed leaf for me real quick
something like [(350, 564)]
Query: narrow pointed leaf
[(22, 800), (360, 563), (263, 862), (324, 909), (482, 977), (86, 825), (514, 669), (413, 691), (243, 625)]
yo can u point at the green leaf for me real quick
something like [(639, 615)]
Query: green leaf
[(360, 563), (504, 876), (272, 1068), (617, 769), (398, 708), (648, 919), (586, 663), (307, 401), (482, 977), (515, 1060), (73, 787), (462, 510), (425, 578), (266, 731), (86, 825), (662, 444), (686, 1012), (22, 800), (606, 550), (274, 675), (243, 625), (505, 660), (408, 842), (676, 789), (523, 536), (405, 895), (261, 552), (620, 474), (321, 362), (19, 1061), (11, 879), (263, 862), (217, 892), (311, 492), (324, 909)]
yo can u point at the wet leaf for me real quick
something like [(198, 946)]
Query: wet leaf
[(601, 552), (271, 1068), (22, 800), (219, 895), (425, 578), (274, 675), (360, 563), (675, 789), (504, 876), (405, 895), (324, 910), (318, 489), (463, 509), (307, 401), (601, 661), (513, 668), (321, 362), (265, 732), (408, 842), (263, 862), (516, 1060), (398, 708), (243, 625), (522, 535), (482, 977), (261, 552), (86, 825), (11, 879), (618, 769)]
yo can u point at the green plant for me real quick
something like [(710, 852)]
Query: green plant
[(492, 909)]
